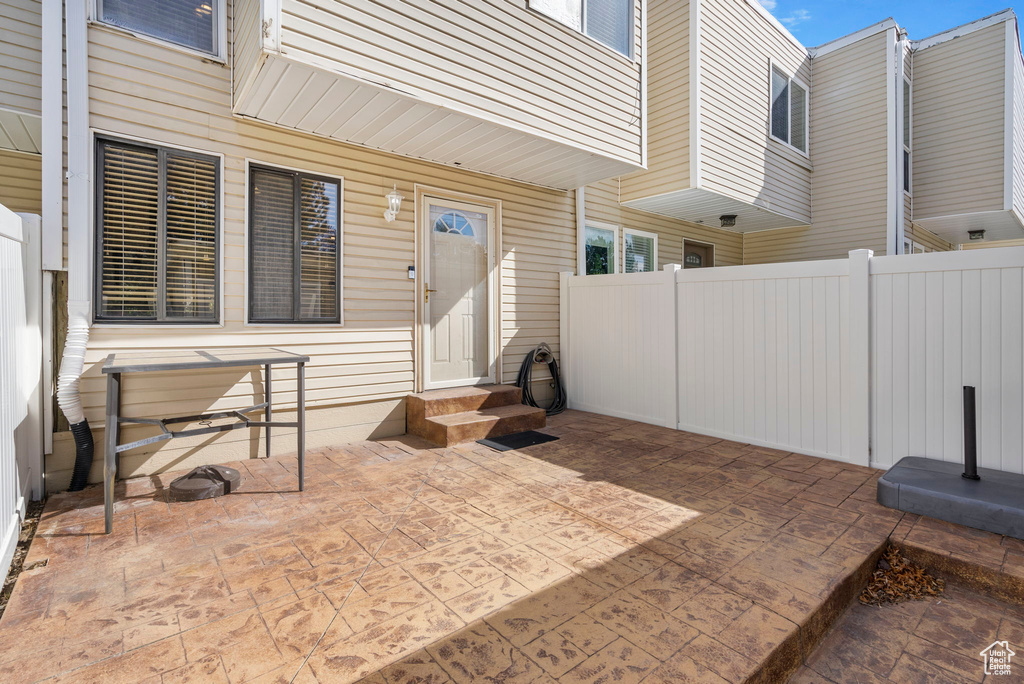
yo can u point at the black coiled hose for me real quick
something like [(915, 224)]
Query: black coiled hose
[(83, 456), (541, 354)]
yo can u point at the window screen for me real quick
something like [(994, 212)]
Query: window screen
[(293, 247), (780, 106), (788, 110), (191, 23), (607, 21), (640, 252), (906, 113), (157, 222), (610, 22)]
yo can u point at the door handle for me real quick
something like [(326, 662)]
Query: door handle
[(426, 292)]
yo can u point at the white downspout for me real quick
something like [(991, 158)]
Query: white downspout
[(79, 176)]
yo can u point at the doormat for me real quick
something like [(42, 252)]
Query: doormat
[(520, 440)]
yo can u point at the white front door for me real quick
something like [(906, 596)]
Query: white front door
[(457, 299)]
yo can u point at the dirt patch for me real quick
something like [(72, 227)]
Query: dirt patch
[(897, 580), (28, 530)]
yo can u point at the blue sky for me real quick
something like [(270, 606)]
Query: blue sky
[(815, 22)]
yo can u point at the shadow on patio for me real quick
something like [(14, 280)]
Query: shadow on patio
[(621, 551)]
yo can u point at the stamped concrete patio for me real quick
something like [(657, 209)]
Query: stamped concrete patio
[(622, 552)]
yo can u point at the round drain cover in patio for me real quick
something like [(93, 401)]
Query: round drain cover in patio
[(205, 482)]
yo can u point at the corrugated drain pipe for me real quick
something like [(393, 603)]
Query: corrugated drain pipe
[(70, 400)]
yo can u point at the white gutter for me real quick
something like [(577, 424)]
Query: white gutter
[(894, 199), (850, 39), (53, 134), (964, 29), (581, 230)]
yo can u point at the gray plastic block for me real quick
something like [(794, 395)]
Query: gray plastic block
[(934, 488)]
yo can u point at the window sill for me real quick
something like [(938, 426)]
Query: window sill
[(138, 325), (205, 56), (298, 327)]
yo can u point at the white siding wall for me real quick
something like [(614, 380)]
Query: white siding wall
[(850, 150), (1018, 130), (939, 322), (959, 124), (505, 63), (737, 157), (20, 46)]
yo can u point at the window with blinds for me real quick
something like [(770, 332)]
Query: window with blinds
[(639, 251), (294, 238), (607, 21), (157, 244), (189, 23), (788, 116)]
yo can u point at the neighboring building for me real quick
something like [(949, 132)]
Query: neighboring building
[(870, 141), (228, 165)]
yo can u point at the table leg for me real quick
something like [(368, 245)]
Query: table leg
[(267, 398), (110, 447), (301, 438)]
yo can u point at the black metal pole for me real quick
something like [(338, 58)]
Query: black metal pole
[(970, 435)]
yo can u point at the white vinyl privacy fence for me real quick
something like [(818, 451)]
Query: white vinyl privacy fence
[(21, 345), (859, 360)]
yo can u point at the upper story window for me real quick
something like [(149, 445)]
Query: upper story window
[(607, 21), (294, 247), (157, 234), (193, 24), (789, 110)]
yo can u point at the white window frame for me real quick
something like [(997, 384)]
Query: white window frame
[(907, 171), (912, 246), (638, 233), (773, 66), (220, 31), (293, 325), (582, 28), (682, 254), (581, 246)]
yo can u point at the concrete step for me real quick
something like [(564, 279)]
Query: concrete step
[(458, 399), (469, 426)]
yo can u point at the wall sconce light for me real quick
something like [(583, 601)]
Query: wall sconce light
[(394, 204), (728, 220), (976, 234)]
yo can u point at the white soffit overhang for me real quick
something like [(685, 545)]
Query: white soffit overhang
[(20, 131), (998, 225), (697, 205), (301, 97)]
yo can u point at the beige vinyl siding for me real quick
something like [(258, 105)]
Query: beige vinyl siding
[(993, 245), (21, 181), (20, 55), (602, 205), (247, 42), (1018, 130), (668, 103), (737, 157), (931, 241), (142, 90), (506, 64), (959, 88), (849, 145)]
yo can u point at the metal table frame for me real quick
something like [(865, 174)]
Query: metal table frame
[(114, 368)]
